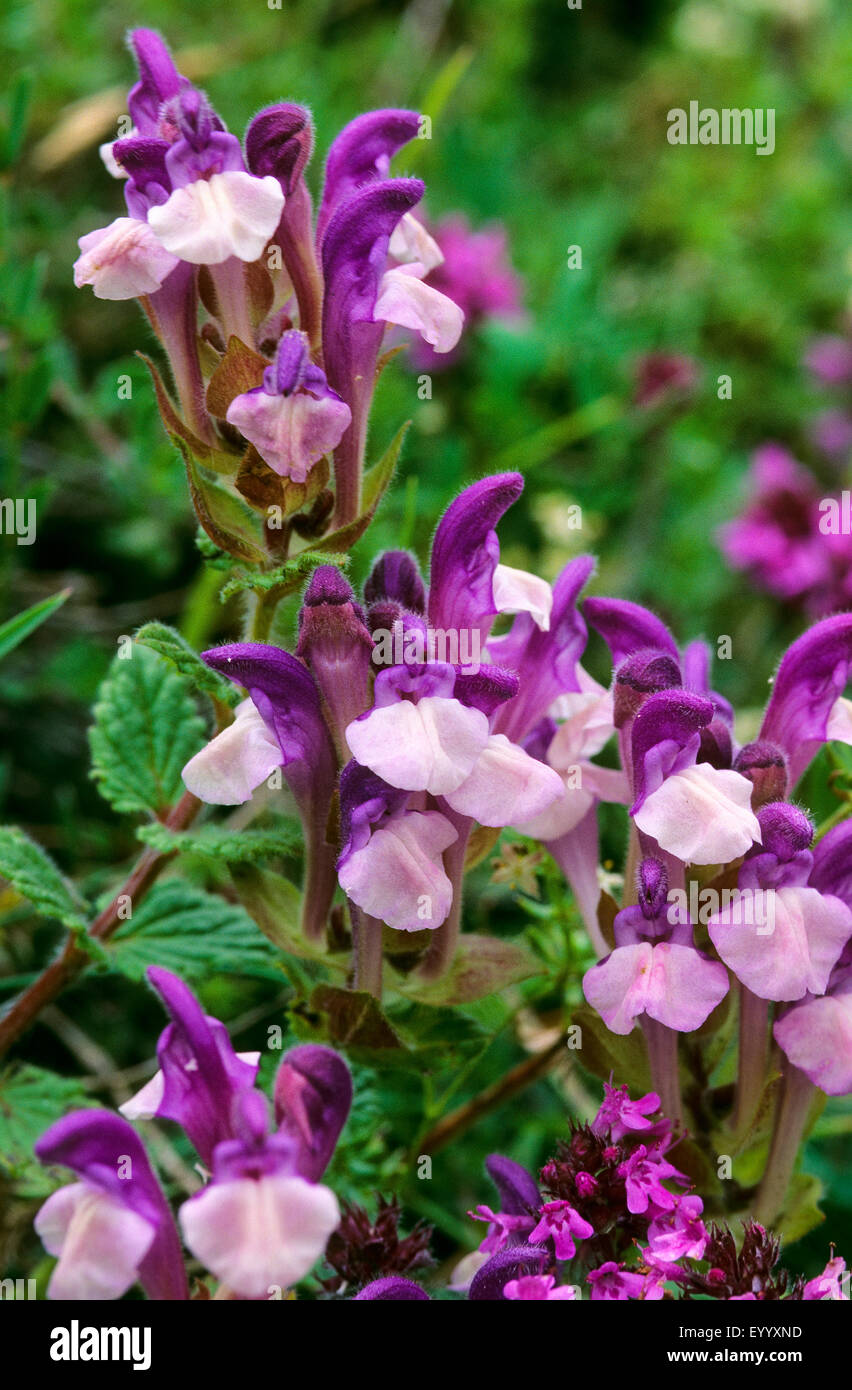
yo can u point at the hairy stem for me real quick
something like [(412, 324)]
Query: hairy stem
[(791, 1117), (753, 1057), (367, 938), (662, 1052), (73, 959)]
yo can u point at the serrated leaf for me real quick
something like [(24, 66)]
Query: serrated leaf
[(482, 965), (168, 643), (217, 842), (288, 577), (193, 933), (18, 628), (275, 905), (146, 728), (34, 875), (31, 1099)]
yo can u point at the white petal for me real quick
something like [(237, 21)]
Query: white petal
[(255, 1234), (506, 785), (702, 815), (123, 260), (110, 162), (410, 241), (839, 725), (429, 746), (517, 591), (230, 214), (399, 877), (406, 301), (587, 726), (227, 770), (100, 1243)]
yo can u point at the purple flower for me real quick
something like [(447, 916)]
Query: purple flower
[(619, 1116), (537, 1287), (313, 1096), (114, 1225), (393, 1288), (781, 937), (258, 1225), (560, 1222), (644, 1173), (294, 418), (829, 358), (490, 1280), (828, 1285), (807, 707), (614, 1283), (200, 1076), (655, 968), (680, 1232)]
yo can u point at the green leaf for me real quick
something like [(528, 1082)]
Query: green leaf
[(288, 577), (377, 478), (34, 875), (228, 522), (602, 1052), (193, 933), (31, 1099), (482, 965), (801, 1211), (146, 728), (168, 643), (228, 846), (275, 905), (18, 628), (355, 1020)]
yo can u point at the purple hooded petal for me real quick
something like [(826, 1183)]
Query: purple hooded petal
[(364, 799), (148, 183), (811, 678), (313, 1096), (361, 154), (394, 1287), (667, 723), (159, 80), (465, 553), (832, 867), (640, 675), (202, 1074), (354, 256), (546, 661), (627, 627), (486, 689), (284, 692), (489, 1281), (96, 1144), (518, 1191), (279, 141), (395, 576)]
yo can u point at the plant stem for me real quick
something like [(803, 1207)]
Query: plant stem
[(73, 958), (521, 1076), (753, 1058), (367, 938), (662, 1053), (791, 1117), (442, 948)]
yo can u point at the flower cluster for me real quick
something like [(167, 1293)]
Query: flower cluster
[(611, 1218), (262, 1218), (272, 322)]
